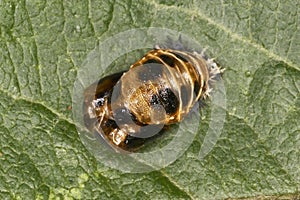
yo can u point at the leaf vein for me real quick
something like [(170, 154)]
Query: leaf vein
[(235, 36)]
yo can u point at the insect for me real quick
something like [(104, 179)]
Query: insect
[(158, 90)]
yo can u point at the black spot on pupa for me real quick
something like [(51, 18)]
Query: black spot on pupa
[(133, 142), (196, 88), (181, 57), (110, 123), (169, 100), (106, 84), (148, 61), (168, 60), (154, 100)]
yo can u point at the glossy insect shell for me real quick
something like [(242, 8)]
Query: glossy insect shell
[(159, 89)]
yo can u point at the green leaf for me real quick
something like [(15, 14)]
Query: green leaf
[(43, 45)]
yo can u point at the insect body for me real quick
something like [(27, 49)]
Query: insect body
[(160, 89)]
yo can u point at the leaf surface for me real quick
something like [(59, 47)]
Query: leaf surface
[(43, 45)]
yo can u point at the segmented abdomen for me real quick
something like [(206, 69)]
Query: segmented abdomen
[(159, 89), (182, 79)]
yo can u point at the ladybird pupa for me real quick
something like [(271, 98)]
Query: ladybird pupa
[(160, 89)]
